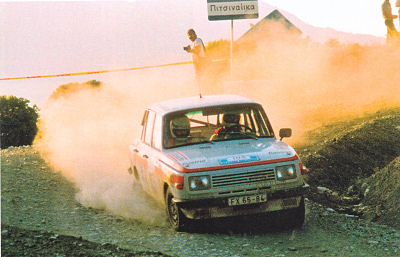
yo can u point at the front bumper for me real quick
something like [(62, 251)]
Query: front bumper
[(216, 208)]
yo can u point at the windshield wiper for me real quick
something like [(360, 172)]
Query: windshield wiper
[(247, 135), (235, 135), (202, 141)]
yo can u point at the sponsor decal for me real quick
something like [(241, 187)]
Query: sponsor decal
[(280, 146), (178, 156), (238, 159), (280, 152), (181, 156), (173, 157), (194, 162)]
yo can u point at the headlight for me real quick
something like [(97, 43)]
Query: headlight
[(199, 183), (285, 172)]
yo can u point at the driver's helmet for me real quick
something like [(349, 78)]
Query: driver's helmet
[(180, 127), (231, 118)]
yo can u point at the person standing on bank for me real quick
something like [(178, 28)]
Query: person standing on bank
[(388, 16), (398, 5), (198, 55)]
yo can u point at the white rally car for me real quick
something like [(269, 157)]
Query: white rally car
[(216, 156)]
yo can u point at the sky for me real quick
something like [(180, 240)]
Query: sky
[(355, 16), (40, 44)]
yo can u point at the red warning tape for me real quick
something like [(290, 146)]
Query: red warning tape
[(97, 72)]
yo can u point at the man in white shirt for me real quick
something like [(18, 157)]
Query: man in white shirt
[(198, 53)]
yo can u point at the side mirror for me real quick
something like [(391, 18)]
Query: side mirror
[(285, 132)]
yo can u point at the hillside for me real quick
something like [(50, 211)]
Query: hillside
[(341, 153), (358, 160), (383, 197)]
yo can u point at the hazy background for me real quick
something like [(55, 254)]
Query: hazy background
[(54, 37), (85, 136)]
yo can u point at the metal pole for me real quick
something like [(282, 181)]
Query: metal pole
[(231, 48)]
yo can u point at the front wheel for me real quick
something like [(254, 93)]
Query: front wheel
[(297, 215), (175, 216)]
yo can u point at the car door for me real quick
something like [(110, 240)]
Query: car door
[(149, 152), (143, 151)]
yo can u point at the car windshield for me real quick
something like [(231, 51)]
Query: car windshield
[(218, 123)]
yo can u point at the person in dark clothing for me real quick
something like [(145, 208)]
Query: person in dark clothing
[(388, 17), (398, 5)]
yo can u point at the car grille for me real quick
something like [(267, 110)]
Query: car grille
[(241, 178)]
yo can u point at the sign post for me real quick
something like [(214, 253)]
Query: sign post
[(231, 57), (232, 10)]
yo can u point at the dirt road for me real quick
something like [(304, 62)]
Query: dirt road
[(33, 197)]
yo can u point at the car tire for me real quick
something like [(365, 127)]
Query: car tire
[(297, 215), (175, 216)]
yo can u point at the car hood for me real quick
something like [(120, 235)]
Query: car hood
[(225, 153)]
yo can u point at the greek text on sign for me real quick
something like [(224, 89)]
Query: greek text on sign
[(231, 10)]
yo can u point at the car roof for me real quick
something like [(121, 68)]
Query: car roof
[(197, 102)]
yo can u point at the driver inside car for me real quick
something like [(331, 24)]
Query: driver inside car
[(230, 124), (180, 131)]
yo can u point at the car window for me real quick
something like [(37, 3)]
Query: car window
[(198, 119), (218, 123), (144, 119), (157, 133), (149, 127)]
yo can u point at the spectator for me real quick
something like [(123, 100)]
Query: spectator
[(198, 55), (388, 16), (398, 5)]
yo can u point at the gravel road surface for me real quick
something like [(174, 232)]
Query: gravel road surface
[(36, 199)]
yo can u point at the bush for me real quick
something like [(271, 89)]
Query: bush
[(17, 121), (65, 91), (71, 88)]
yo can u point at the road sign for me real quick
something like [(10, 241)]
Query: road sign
[(232, 9)]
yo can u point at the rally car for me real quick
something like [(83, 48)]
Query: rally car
[(216, 156)]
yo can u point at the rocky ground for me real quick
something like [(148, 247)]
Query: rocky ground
[(40, 217), (23, 242), (355, 166)]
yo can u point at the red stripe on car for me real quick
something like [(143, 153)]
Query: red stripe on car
[(179, 168)]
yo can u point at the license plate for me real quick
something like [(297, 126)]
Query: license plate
[(249, 199)]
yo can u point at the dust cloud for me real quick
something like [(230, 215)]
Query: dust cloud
[(85, 136), (304, 85), (300, 83)]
